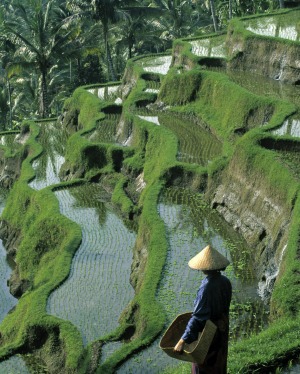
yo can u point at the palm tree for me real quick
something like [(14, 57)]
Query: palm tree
[(102, 12), (179, 18), (213, 14), (40, 38), (107, 13)]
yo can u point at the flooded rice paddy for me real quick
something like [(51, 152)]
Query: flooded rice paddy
[(14, 365), (268, 87), (53, 138), (109, 93), (290, 127), (105, 129), (190, 225), (98, 287), (209, 47), (7, 301), (264, 86), (158, 65), (283, 26), (195, 144)]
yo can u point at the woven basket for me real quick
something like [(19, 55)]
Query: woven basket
[(194, 352)]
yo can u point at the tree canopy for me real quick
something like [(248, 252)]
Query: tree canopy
[(50, 47)]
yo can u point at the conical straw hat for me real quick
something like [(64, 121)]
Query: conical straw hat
[(208, 259)]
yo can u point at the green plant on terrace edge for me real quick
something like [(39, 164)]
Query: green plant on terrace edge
[(41, 258), (266, 348)]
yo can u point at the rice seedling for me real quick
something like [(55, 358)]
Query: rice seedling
[(7, 301), (262, 85), (279, 26), (190, 225), (48, 165), (196, 145), (210, 47), (98, 287), (105, 130), (158, 65), (291, 127)]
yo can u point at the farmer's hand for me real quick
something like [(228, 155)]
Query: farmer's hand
[(179, 346)]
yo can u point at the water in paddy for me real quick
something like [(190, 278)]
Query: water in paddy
[(7, 300), (190, 225), (264, 86), (152, 86), (291, 127), (14, 365), (105, 131), (267, 87), (210, 47), (160, 64), (108, 93), (52, 138), (284, 26), (98, 287), (195, 144)]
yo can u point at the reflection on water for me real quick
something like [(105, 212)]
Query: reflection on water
[(290, 127), (7, 300), (158, 65), (47, 166), (210, 47), (14, 365), (105, 131), (264, 86), (152, 119), (106, 92), (282, 26), (190, 226), (195, 144), (98, 288)]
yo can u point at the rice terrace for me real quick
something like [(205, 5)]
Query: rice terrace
[(105, 198)]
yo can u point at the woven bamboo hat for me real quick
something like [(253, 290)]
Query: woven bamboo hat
[(208, 259)]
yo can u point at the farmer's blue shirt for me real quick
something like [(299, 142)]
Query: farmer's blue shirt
[(212, 301)]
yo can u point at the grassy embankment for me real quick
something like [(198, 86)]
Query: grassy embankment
[(153, 151), (48, 242), (225, 107)]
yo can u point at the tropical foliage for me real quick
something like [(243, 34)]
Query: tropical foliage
[(48, 48)]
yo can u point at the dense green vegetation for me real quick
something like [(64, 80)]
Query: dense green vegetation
[(48, 240), (48, 48)]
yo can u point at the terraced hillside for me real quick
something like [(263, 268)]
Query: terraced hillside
[(136, 177)]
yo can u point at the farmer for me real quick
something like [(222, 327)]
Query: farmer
[(212, 302)]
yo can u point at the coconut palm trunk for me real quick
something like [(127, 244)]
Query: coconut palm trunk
[(213, 14), (44, 110), (111, 69), (230, 9)]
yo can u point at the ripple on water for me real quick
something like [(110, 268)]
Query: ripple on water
[(280, 26), (210, 47), (195, 144), (158, 65), (14, 365), (189, 228), (98, 288), (290, 127), (48, 164)]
